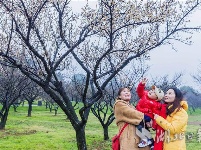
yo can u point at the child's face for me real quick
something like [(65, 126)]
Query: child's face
[(152, 94), (125, 94)]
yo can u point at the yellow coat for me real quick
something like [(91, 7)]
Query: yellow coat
[(175, 128), (124, 112)]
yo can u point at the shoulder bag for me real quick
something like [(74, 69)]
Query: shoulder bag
[(115, 139)]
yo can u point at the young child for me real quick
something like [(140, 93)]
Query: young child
[(149, 103)]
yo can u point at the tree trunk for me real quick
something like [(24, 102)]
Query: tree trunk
[(80, 137), (4, 119), (15, 108), (55, 112), (106, 136), (29, 109), (46, 104), (50, 107), (22, 103)]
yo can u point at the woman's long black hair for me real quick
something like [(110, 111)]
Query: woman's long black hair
[(176, 104)]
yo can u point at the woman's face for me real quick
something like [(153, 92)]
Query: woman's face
[(170, 96), (125, 94)]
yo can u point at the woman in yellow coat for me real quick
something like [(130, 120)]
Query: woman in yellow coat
[(176, 122), (126, 113)]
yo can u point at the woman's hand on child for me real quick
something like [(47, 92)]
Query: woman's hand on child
[(155, 116), (149, 124)]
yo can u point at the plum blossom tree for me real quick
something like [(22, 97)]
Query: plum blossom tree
[(12, 86)]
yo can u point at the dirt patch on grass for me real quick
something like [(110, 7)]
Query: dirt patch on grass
[(6, 133), (195, 123)]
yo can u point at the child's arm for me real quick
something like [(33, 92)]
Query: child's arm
[(141, 87), (143, 109), (154, 105)]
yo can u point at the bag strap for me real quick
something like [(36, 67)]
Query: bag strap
[(122, 129)]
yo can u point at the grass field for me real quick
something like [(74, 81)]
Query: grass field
[(44, 131)]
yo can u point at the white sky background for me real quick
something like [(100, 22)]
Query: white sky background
[(165, 60), (187, 59)]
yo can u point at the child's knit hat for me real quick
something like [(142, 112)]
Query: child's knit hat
[(159, 92)]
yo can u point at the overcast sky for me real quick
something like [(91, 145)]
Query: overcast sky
[(165, 60)]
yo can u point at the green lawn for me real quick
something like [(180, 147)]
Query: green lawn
[(44, 131)]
